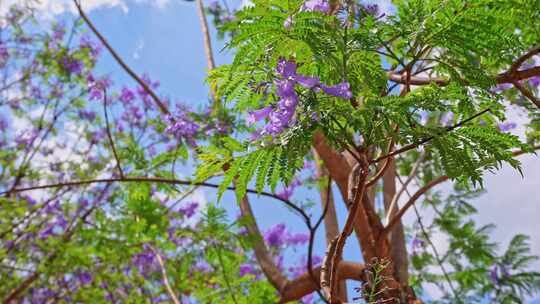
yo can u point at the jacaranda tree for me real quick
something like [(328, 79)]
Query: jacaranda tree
[(373, 109)]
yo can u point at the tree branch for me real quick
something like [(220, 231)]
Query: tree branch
[(121, 62), (423, 141), (164, 274), (128, 179), (304, 285), (411, 202), (264, 259), (108, 128)]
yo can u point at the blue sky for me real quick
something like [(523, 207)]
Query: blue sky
[(163, 38)]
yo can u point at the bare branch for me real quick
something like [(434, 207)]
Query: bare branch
[(164, 274), (264, 259), (393, 205), (121, 62), (411, 201), (304, 285)]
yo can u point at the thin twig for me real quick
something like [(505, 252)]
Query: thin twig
[(151, 180), (394, 203), (225, 277), (108, 128), (121, 62), (425, 140), (164, 274), (411, 201)]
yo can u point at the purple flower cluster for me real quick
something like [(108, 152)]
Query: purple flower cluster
[(72, 65), (182, 126), (97, 85), (282, 116), (189, 209), (316, 6), (278, 236)]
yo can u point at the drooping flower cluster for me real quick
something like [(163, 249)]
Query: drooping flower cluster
[(282, 115)]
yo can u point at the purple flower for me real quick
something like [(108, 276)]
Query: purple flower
[(493, 275), (151, 84), (372, 9), (288, 22), (87, 43), (534, 81), (417, 245), (286, 68), (126, 95), (276, 235), (72, 65), (258, 115), (502, 87), (3, 123), (88, 115), (189, 209), (283, 115), (183, 127), (214, 7), (97, 86), (507, 126), (227, 18), (298, 239), (4, 55), (307, 81), (287, 192), (316, 6), (447, 118), (342, 90), (25, 138), (84, 277), (203, 266), (246, 269)]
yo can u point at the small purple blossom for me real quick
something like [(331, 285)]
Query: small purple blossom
[(342, 90), (276, 236), (189, 209), (214, 8), (507, 126), (72, 65), (258, 115), (534, 81), (183, 127), (246, 269), (298, 239), (493, 275), (316, 6), (126, 95)]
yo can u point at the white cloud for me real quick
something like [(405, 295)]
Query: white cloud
[(50, 8)]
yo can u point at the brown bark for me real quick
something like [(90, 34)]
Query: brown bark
[(331, 226), (304, 285), (398, 247), (268, 267)]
